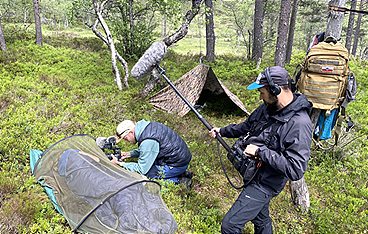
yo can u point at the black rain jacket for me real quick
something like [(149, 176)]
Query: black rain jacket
[(286, 154)]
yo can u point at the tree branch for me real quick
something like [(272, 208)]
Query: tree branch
[(183, 30)]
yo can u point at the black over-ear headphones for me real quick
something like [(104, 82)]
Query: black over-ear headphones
[(274, 88)]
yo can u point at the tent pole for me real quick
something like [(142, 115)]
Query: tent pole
[(75, 229)]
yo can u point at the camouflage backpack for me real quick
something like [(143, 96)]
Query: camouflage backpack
[(327, 82), (324, 75)]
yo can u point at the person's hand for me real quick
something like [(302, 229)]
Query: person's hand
[(250, 150), (124, 155), (214, 132), (114, 160)]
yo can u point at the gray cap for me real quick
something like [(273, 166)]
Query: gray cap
[(278, 75)]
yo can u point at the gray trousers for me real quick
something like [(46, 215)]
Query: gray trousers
[(251, 205)]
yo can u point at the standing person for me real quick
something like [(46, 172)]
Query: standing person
[(279, 134), (161, 152)]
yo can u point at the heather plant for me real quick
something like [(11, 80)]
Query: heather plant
[(57, 90)]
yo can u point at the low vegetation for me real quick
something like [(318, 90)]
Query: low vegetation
[(65, 88)]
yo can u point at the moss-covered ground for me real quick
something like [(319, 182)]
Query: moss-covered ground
[(66, 87)]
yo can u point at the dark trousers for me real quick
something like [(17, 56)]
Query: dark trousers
[(166, 172), (251, 205)]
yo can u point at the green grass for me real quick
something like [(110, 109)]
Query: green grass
[(82, 32), (197, 45), (61, 89)]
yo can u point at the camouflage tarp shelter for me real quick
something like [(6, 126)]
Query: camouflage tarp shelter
[(96, 196), (198, 86)]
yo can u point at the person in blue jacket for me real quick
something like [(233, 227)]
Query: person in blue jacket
[(161, 152), (279, 134)]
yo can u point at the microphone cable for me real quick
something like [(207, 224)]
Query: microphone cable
[(224, 169)]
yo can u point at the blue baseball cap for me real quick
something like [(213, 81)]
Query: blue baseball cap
[(278, 75), (257, 84)]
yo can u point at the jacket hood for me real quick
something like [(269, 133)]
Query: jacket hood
[(299, 103)]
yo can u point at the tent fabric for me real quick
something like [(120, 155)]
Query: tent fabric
[(82, 178), (191, 85), (35, 155)]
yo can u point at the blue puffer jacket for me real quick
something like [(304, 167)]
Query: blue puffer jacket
[(173, 150), (286, 154)]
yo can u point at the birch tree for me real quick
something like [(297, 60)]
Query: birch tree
[(2, 39), (108, 40), (179, 34)]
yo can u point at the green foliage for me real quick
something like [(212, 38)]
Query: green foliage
[(14, 32), (343, 198), (134, 26), (133, 43), (51, 92)]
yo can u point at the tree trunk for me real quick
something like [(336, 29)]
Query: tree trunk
[(25, 16), (308, 37), (210, 32), (349, 31), (2, 39), (300, 194), (299, 189), (364, 55), (289, 48), (131, 25), (357, 30), (37, 17), (335, 20), (164, 26), (66, 22), (249, 44), (257, 50), (153, 81), (282, 32), (108, 40)]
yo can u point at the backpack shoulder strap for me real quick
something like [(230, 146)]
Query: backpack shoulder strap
[(275, 126), (258, 131)]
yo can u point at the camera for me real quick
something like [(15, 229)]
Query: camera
[(108, 145), (246, 166)]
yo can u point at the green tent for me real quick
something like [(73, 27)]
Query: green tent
[(96, 196)]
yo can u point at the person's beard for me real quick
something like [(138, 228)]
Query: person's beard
[(272, 105)]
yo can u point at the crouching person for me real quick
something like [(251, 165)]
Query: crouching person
[(161, 152)]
